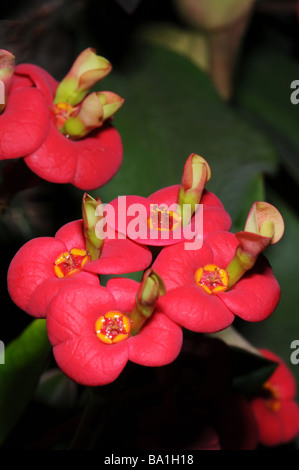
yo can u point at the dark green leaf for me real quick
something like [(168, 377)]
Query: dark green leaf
[(128, 5), (25, 359), (250, 371), (265, 91)]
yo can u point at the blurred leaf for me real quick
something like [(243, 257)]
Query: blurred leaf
[(171, 110), (265, 91), (25, 359), (128, 5), (56, 390), (250, 371)]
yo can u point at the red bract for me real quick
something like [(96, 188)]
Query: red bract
[(24, 124), (32, 281), (253, 298), (82, 356), (139, 226), (275, 409), (28, 130)]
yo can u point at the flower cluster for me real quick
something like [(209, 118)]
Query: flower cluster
[(63, 133), (197, 275)]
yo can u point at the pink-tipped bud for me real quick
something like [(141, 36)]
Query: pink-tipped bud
[(264, 226), (90, 220), (86, 71), (91, 114), (7, 67), (195, 175), (151, 287)]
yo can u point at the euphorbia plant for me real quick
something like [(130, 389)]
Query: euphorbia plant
[(227, 276), (63, 133)]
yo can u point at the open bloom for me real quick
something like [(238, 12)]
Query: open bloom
[(275, 409), (45, 265), (196, 285), (89, 328), (33, 127)]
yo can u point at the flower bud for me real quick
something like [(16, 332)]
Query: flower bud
[(7, 66), (90, 220), (195, 175), (264, 226), (86, 71), (151, 287), (94, 110)]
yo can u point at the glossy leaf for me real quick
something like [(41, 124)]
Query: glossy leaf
[(25, 359)]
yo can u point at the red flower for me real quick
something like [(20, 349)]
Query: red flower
[(45, 265), (149, 228), (72, 322), (275, 409), (27, 129), (196, 298)]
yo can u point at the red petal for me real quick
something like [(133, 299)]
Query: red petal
[(177, 266), (72, 235), (282, 377), (71, 329), (32, 265), (124, 292), (87, 163), (119, 257), (256, 295), (158, 343), (192, 308), (223, 245), (44, 293), (24, 123), (74, 311), (89, 362), (56, 159), (99, 157), (40, 78)]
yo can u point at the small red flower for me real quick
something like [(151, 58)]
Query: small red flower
[(28, 128), (78, 319), (195, 286), (275, 409), (158, 227), (45, 265)]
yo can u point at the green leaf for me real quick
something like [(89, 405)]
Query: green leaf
[(56, 390), (25, 359), (267, 97), (171, 110), (250, 371)]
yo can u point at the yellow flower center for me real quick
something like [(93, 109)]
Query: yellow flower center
[(211, 279)]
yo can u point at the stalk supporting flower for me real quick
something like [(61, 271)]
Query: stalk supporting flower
[(195, 175), (150, 289), (90, 219), (264, 226), (7, 67)]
